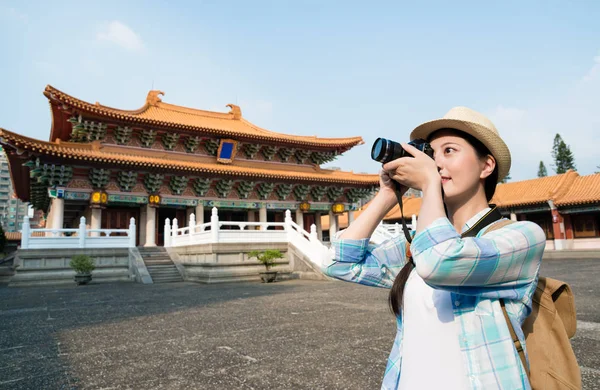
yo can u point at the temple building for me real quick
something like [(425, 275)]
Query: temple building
[(167, 161)]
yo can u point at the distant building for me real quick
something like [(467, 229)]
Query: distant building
[(12, 209)]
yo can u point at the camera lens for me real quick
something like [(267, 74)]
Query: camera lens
[(385, 150), (379, 149)]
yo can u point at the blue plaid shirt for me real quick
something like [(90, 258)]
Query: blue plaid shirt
[(478, 271)]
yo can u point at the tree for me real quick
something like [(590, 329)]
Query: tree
[(542, 172), (507, 178), (562, 155)]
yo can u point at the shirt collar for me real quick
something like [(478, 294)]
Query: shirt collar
[(474, 219)]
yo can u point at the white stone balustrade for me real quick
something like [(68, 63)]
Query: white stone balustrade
[(81, 237), (216, 231)]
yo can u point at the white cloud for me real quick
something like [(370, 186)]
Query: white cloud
[(121, 35), (594, 72)]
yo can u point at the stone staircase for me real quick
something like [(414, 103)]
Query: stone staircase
[(159, 265)]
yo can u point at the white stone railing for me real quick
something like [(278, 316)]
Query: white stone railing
[(217, 231), (77, 238), (385, 231)]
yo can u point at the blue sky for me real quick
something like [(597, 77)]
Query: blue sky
[(326, 68)]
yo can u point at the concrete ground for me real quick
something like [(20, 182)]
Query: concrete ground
[(287, 335)]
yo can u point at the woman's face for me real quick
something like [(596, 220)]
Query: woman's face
[(461, 169)]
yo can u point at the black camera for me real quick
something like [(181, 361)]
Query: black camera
[(385, 150)]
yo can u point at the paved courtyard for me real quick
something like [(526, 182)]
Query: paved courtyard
[(288, 335)]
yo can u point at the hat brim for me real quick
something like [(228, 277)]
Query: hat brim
[(489, 138)]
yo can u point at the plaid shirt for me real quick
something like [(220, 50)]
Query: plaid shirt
[(478, 271)]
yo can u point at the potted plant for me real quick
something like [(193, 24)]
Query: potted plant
[(268, 258), (83, 266)]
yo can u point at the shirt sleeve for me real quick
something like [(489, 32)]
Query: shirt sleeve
[(372, 265), (502, 264)]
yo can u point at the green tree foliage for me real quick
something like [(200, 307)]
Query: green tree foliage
[(542, 172), (82, 264), (507, 178), (267, 257), (562, 155)]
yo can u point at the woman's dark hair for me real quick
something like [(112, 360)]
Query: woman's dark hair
[(397, 292)]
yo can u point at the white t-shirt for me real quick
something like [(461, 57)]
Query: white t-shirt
[(431, 357)]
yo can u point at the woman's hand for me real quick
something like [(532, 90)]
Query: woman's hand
[(416, 172), (387, 186)]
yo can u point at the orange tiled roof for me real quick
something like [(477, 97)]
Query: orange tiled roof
[(107, 154), (411, 205), (584, 189), (157, 113), (16, 236), (13, 236), (529, 192)]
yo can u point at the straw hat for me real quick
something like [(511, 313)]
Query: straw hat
[(475, 124)]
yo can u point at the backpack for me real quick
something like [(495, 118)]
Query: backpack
[(547, 329)]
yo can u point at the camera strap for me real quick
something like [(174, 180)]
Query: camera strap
[(491, 216)]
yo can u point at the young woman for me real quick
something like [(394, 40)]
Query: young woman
[(452, 333)]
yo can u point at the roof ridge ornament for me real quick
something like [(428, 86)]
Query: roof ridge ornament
[(153, 97), (236, 111), (563, 186)]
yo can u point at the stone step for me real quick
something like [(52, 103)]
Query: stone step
[(163, 272), (161, 262), (162, 275), (169, 277), (152, 258)]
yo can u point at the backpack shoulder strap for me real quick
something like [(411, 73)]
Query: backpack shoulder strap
[(498, 225), (513, 334), (516, 341)]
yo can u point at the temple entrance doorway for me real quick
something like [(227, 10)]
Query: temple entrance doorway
[(118, 218)]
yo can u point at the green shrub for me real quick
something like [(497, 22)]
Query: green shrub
[(82, 264), (267, 257)]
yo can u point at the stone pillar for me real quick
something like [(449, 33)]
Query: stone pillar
[(58, 214), (141, 225), (262, 214), (199, 213), (350, 217), (332, 225), (558, 227), (95, 221), (300, 218), (319, 226), (251, 218), (49, 220), (513, 216), (150, 226)]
